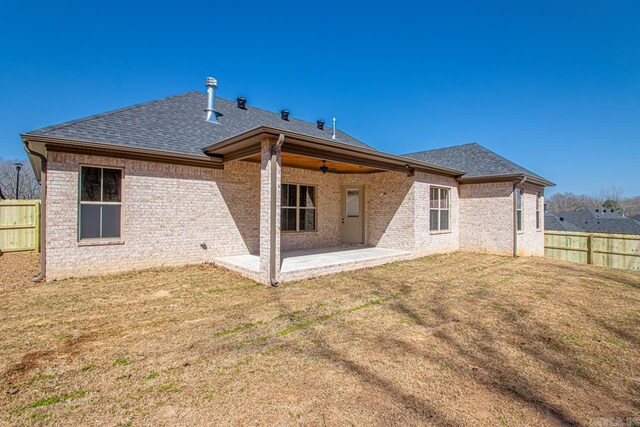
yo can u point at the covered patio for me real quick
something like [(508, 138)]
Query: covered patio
[(324, 206), (302, 264)]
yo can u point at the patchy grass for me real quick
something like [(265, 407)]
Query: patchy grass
[(459, 339), (51, 400), (40, 378), (236, 328)]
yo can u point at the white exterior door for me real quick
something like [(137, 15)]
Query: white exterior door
[(352, 214)]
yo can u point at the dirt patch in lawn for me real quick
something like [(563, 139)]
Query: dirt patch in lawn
[(460, 339)]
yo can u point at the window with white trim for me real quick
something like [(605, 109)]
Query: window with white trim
[(439, 212), (298, 207), (539, 211), (519, 208), (100, 203)]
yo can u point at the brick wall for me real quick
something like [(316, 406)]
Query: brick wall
[(426, 241), (328, 213), (486, 217), (169, 209), (388, 205), (531, 239)]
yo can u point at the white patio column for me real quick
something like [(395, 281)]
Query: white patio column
[(270, 173)]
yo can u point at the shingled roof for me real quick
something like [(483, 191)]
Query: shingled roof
[(591, 220), (177, 124), (476, 160)]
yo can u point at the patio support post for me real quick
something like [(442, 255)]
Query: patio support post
[(270, 173)]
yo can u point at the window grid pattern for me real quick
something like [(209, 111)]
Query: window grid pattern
[(298, 207), (440, 209), (538, 211), (519, 208)]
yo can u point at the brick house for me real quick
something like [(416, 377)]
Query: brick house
[(195, 178)]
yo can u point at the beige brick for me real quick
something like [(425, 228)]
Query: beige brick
[(169, 209), (486, 217)]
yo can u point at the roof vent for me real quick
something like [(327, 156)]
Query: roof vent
[(242, 102), (334, 128), (212, 85), (320, 124), (284, 114)]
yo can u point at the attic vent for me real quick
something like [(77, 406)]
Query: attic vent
[(242, 102), (284, 114), (320, 124)]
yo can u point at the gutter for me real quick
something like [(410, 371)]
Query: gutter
[(274, 206), (43, 213), (123, 149), (516, 184), (503, 178)]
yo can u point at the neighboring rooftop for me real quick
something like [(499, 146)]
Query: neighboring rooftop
[(476, 160), (598, 220), (177, 124)]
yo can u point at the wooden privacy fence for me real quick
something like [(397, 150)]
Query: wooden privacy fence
[(608, 250), (19, 225)]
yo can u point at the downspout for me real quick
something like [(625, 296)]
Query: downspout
[(274, 207), (515, 215), (43, 210)]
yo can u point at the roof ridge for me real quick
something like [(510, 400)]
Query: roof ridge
[(503, 160), (443, 148), (290, 117), (108, 113)]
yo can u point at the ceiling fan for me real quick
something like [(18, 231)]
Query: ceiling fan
[(324, 168)]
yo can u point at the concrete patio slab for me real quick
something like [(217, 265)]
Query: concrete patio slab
[(302, 264)]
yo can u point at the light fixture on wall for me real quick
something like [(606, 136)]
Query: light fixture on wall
[(324, 167)]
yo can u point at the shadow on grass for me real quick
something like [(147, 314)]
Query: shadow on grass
[(485, 363), (494, 370), (621, 277), (324, 350)]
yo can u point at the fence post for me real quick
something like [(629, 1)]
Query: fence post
[(37, 226), (590, 249)]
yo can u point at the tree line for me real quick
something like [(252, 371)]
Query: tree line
[(609, 198)]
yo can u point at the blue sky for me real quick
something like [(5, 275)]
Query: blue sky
[(552, 85)]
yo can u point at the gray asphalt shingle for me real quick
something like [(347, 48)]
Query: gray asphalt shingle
[(177, 124), (474, 159), (591, 220)]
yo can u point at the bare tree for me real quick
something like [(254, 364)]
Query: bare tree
[(610, 198), (562, 202), (29, 186)]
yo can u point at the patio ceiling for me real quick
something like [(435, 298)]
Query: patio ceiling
[(303, 162), (309, 152)]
